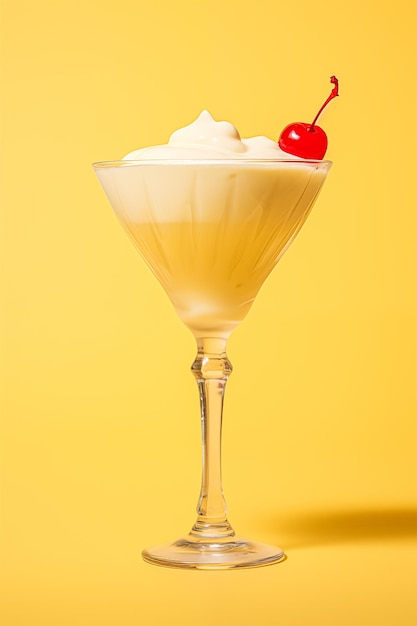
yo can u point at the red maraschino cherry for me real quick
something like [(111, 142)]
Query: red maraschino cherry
[(307, 141)]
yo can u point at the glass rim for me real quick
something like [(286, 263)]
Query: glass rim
[(239, 162)]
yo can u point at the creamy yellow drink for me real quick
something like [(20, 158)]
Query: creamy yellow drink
[(212, 213)]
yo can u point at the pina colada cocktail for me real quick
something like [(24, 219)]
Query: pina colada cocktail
[(212, 214)]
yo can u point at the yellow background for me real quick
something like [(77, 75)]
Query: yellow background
[(100, 427)]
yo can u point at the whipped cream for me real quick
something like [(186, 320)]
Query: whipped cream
[(207, 139)]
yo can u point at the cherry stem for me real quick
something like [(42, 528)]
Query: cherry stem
[(334, 93)]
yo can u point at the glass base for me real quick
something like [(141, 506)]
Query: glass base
[(198, 553)]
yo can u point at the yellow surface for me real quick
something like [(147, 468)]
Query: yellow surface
[(99, 456)]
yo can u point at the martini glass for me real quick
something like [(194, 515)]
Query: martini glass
[(211, 231)]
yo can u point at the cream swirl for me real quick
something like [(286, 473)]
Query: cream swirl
[(205, 138)]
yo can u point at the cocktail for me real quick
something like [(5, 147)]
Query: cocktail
[(211, 221)]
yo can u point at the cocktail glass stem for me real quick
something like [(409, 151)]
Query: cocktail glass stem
[(211, 369), (212, 542)]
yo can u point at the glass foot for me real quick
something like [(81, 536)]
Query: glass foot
[(197, 553)]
